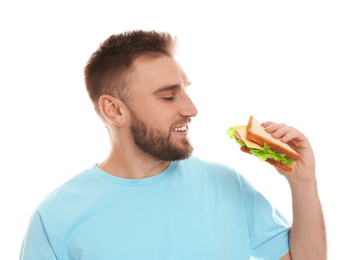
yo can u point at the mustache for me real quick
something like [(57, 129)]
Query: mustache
[(186, 121)]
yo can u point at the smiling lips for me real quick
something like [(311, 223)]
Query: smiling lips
[(180, 128)]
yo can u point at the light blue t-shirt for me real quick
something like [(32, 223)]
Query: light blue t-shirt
[(192, 210)]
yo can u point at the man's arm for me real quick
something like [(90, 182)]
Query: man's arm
[(308, 233)]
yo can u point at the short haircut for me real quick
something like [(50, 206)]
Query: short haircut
[(108, 67)]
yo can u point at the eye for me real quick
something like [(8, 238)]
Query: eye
[(169, 98)]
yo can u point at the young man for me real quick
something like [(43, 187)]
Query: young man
[(150, 199)]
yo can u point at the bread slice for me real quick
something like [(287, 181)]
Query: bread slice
[(257, 133), (271, 161)]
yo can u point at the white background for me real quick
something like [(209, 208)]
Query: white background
[(286, 61)]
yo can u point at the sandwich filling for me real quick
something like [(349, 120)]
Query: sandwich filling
[(264, 153)]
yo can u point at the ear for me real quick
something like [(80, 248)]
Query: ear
[(113, 109)]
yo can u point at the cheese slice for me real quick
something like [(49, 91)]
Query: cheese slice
[(242, 129)]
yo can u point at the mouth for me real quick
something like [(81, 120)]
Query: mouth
[(181, 130)]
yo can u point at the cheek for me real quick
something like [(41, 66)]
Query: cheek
[(156, 112), (161, 111)]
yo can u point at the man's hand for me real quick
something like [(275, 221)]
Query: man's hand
[(308, 232), (304, 169)]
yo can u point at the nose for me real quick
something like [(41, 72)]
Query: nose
[(188, 108)]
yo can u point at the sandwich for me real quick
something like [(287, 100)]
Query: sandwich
[(256, 141)]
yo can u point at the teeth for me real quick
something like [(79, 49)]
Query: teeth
[(183, 128)]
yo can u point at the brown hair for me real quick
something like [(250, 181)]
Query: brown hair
[(107, 69)]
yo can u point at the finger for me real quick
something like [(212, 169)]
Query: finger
[(287, 134), (292, 135), (281, 132), (266, 124), (274, 127)]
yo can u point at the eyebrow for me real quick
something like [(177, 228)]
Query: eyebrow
[(168, 88)]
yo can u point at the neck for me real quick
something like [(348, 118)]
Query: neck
[(128, 162)]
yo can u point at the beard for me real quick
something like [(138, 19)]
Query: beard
[(157, 143)]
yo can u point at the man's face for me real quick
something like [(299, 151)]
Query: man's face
[(161, 110)]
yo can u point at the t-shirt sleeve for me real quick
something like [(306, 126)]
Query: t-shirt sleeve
[(268, 229), (36, 245)]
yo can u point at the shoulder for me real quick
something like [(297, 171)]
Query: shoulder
[(217, 171), (209, 169), (75, 189), (203, 164)]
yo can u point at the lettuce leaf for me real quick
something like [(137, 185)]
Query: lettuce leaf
[(264, 153)]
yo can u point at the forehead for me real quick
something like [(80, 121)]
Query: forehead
[(151, 73)]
